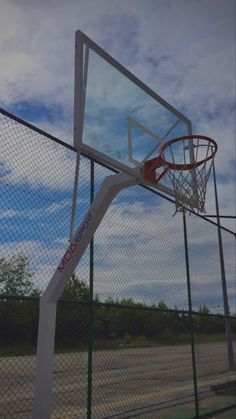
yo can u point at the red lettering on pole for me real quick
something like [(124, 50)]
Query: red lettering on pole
[(62, 266), (73, 247), (67, 257)]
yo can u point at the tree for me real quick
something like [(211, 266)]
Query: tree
[(15, 276), (76, 289), (18, 317), (204, 323), (162, 305), (73, 314), (203, 309)]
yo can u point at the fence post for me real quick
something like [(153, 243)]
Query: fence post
[(91, 308), (190, 315), (223, 280)]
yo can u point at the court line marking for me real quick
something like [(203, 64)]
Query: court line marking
[(104, 407)]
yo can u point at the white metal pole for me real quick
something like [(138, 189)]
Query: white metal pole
[(74, 201), (48, 302), (79, 106)]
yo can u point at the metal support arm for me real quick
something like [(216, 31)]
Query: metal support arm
[(48, 301)]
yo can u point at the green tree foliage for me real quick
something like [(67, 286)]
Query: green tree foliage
[(76, 289), (120, 321), (205, 324), (18, 318), (72, 314), (162, 305), (18, 326), (203, 309), (15, 276)]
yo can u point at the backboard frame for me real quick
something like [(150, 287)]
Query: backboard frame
[(82, 45)]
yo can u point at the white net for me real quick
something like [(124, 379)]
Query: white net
[(190, 187), (189, 162)]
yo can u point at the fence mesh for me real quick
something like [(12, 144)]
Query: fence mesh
[(205, 269), (133, 336), (214, 377), (70, 365)]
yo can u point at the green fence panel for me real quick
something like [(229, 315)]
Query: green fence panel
[(141, 324)]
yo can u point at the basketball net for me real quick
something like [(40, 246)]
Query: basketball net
[(185, 196), (187, 162)]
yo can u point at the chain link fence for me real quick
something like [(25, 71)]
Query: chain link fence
[(141, 324)]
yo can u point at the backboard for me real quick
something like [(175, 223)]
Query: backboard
[(119, 121)]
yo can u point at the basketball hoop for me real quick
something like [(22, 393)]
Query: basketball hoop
[(187, 161)]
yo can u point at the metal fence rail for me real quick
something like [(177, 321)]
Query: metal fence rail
[(141, 325)]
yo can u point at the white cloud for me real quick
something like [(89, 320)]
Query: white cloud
[(10, 214), (27, 156), (36, 212), (35, 170), (139, 253)]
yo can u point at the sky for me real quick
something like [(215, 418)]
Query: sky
[(183, 49)]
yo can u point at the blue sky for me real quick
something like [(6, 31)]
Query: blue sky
[(184, 50)]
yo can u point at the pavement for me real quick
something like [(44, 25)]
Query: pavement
[(155, 382)]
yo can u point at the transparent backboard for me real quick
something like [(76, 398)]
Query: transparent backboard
[(119, 121)]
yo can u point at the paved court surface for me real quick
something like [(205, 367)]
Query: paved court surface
[(126, 382)]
